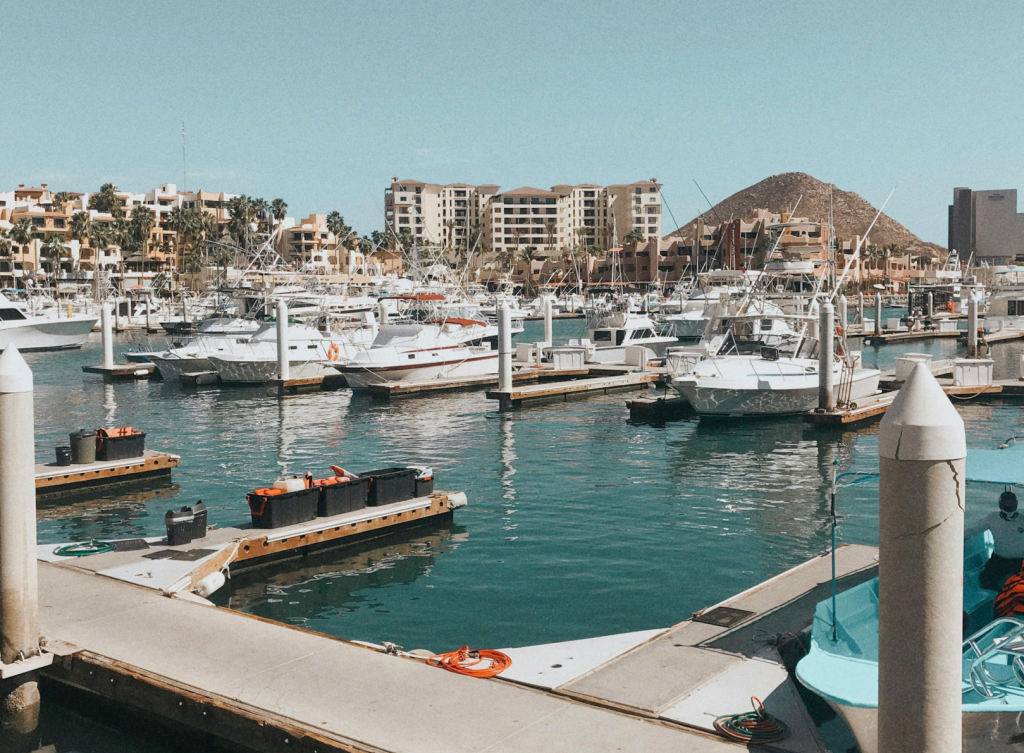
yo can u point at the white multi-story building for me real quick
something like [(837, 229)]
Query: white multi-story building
[(553, 221)]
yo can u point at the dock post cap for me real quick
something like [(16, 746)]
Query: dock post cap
[(15, 375), (921, 423)]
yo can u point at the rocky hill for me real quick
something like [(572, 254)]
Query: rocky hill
[(851, 214)]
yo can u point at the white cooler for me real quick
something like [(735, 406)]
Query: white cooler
[(906, 363), (972, 372)]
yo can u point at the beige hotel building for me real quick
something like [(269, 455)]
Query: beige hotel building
[(562, 218)]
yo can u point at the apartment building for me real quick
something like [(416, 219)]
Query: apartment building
[(554, 221)]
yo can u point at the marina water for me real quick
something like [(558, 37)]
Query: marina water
[(579, 523)]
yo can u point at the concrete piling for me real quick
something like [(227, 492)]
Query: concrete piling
[(548, 322), (922, 458), (107, 337), (841, 317), (283, 362), (826, 343), (504, 348), (972, 327), (382, 312), (19, 597), (931, 306), (860, 308), (878, 314), (149, 313)]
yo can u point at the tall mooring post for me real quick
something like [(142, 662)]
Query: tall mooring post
[(814, 311), (107, 338), (878, 314), (931, 306), (549, 329), (283, 362), (972, 327), (860, 308), (504, 348), (20, 653), (149, 312), (826, 344), (922, 453), (841, 312)]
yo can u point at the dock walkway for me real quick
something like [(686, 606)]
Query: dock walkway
[(59, 479), (564, 390)]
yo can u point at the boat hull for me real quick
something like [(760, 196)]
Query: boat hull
[(772, 400), (171, 369), (252, 371), (56, 334), (359, 377)]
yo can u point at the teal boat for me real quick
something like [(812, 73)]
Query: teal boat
[(841, 665)]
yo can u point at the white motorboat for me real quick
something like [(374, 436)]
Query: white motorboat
[(758, 380), (194, 355), (311, 353), (27, 331), (608, 336), (416, 352), (1006, 304)]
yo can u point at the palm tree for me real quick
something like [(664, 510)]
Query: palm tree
[(53, 248), (139, 228), (61, 198), (106, 200), (550, 226), (633, 237), (21, 233), (530, 253), (279, 209)]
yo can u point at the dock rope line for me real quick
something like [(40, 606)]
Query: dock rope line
[(83, 549), (757, 726), (465, 661)]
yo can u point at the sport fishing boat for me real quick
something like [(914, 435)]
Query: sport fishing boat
[(27, 331), (703, 302), (841, 665), (609, 335), (311, 353), (1006, 304), (416, 352), (749, 378)]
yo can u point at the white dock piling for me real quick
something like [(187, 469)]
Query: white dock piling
[(117, 314), (813, 309), (283, 362), (504, 348), (922, 457), (382, 312), (860, 308), (107, 337), (548, 322), (19, 592), (149, 313), (827, 328), (931, 306), (878, 314), (841, 312), (972, 327)]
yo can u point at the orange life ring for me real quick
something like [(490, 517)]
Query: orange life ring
[(333, 352)]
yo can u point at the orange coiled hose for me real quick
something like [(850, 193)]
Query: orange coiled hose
[(465, 661)]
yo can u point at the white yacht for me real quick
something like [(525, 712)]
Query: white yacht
[(311, 353), (416, 352), (1006, 302), (749, 378), (608, 336), (26, 331)]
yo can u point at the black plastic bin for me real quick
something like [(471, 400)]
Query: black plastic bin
[(343, 497), (198, 511), (424, 480), (83, 446), (389, 485), (179, 527), (284, 509), (120, 448), (63, 455)]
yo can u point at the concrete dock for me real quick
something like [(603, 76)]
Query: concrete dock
[(214, 673), (122, 372), (52, 479), (566, 390)]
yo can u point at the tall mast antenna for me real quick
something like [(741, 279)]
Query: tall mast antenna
[(184, 164)]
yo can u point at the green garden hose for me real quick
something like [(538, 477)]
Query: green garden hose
[(83, 549), (757, 726)]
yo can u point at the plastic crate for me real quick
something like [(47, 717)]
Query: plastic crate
[(120, 448), (389, 485), (273, 509), (340, 497)]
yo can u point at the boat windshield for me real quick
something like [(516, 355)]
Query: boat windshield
[(11, 315)]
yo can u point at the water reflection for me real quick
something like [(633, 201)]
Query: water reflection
[(326, 585)]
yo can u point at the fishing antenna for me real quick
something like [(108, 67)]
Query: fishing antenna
[(860, 243)]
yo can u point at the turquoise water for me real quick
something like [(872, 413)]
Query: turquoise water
[(579, 523)]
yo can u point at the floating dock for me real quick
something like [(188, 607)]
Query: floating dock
[(655, 408), (310, 384), (991, 338), (62, 479), (903, 337), (565, 390), (215, 674), (122, 372), (523, 374)]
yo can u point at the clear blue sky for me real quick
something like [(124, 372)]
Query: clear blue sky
[(321, 103)]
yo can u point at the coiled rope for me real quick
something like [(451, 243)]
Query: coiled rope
[(83, 549), (465, 661), (757, 726)]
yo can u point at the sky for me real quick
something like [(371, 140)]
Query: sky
[(321, 104)]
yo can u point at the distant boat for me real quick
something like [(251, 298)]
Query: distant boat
[(50, 332)]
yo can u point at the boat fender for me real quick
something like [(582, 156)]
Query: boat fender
[(210, 584), (340, 471), (456, 500)]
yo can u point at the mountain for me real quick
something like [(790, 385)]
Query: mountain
[(850, 213)]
